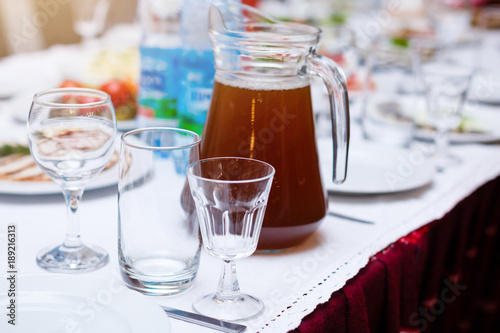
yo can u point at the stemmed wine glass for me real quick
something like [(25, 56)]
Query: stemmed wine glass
[(71, 133), (89, 17), (446, 85), (231, 196)]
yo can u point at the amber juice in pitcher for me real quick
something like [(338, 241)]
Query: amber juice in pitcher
[(272, 122), (261, 108)]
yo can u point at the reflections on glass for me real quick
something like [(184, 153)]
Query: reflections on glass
[(71, 134), (339, 44), (231, 196), (158, 240), (389, 93), (446, 85), (89, 17)]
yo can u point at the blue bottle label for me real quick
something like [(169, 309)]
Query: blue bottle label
[(197, 80), (158, 90)]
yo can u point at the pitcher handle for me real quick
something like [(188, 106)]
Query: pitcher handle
[(335, 82)]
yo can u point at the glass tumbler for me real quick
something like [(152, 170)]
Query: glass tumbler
[(158, 236)]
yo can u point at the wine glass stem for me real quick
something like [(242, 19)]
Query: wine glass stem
[(228, 288), (88, 41), (442, 142), (73, 197)]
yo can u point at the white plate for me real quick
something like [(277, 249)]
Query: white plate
[(63, 303), (374, 169), (106, 178), (487, 117)]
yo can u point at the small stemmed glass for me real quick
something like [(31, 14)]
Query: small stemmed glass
[(231, 196), (89, 17), (446, 85), (71, 133)]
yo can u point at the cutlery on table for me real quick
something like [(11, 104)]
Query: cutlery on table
[(204, 321), (350, 218)]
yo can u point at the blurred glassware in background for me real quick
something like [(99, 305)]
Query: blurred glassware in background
[(445, 85), (320, 12), (296, 10), (389, 93), (89, 17), (158, 239), (450, 19), (345, 27), (488, 20), (339, 44)]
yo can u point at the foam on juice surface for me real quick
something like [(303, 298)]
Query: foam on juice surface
[(296, 83)]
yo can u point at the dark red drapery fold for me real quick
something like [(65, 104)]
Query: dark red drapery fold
[(444, 277)]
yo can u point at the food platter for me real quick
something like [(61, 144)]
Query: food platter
[(106, 178), (483, 127), (36, 182)]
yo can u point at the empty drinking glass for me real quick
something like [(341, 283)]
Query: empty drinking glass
[(339, 44), (71, 133), (159, 243), (89, 17), (231, 196), (445, 85), (488, 22), (389, 93)]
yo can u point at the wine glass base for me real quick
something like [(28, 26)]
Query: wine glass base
[(62, 259), (446, 161), (243, 308)]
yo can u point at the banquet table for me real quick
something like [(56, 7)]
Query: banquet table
[(348, 277)]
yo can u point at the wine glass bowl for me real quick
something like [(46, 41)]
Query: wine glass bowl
[(446, 85), (71, 134), (89, 17), (231, 196)]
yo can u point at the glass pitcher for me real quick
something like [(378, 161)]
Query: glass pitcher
[(261, 108)]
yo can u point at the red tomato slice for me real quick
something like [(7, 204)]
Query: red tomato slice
[(71, 84), (88, 99), (119, 92)]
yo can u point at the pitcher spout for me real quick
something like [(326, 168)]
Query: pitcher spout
[(246, 40)]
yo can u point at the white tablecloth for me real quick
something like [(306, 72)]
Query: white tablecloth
[(291, 283)]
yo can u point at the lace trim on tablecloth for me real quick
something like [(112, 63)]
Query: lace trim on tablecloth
[(292, 313)]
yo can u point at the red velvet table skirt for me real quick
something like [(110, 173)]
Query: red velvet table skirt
[(444, 277)]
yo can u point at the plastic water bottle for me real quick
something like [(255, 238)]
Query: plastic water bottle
[(160, 54), (196, 66), (197, 63)]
